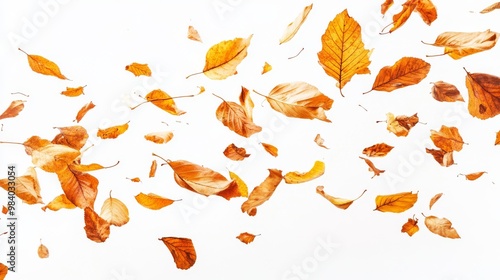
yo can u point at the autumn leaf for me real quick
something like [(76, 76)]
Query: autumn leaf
[(182, 250), (395, 203), (13, 110), (193, 34), (233, 116), (5, 210), (79, 188), (246, 237), (462, 44), (484, 92), (89, 167), (445, 92), (434, 199), (371, 167), (113, 131), (441, 226), (343, 53), (299, 100), (72, 136), (73, 92), (473, 176), (162, 100), (3, 271), (83, 111), (405, 72), (246, 102), (59, 202), (378, 150), (447, 139), (27, 187), (43, 251), (443, 158), (401, 125), (385, 6), (491, 8), (266, 68), (41, 65), (400, 18), (96, 228), (152, 169), (262, 193), (54, 157), (34, 143), (223, 58), (135, 179), (296, 177), (235, 153), (319, 141), (139, 69), (427, 11), (497, 139), (114, 211), (341, 203), (410, 227), (242, 186), (294, 26), (153, 201), (160, 137), (272, 150)]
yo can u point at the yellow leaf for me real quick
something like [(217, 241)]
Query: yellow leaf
[(294, 26), (113, 131), (395, 203), (138, 69), (163, 101), (441, 226), (266, 68), (41, 65), (59, 202), (242, 186), (73, 92), (341, 203), (153, 201), (316, 171)]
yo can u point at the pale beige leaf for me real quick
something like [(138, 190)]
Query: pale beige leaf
[(441, 226), (114, 211), (294, 26), (434, 199), (193, 34)]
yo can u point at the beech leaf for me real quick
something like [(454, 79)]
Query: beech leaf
[(41, 65), (246, 237), (182, 250), (114, 211), (445, 92), (441, 226), (484, 95), (461, 44), (235, 153), (13, 110), (162, 100), (272, 150), (378, 150), (72, 136), (262, 193), (80, 188), (59, 202), (139, 69), (233, 116), (153, 201), (447, 139), (112, 132), (395, 203)]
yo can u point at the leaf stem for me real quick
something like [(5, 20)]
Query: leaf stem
[(166, 161), (8, 142), (20, 93), (296, 54), (197, 73)]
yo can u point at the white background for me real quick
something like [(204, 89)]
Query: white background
[(92, 43)]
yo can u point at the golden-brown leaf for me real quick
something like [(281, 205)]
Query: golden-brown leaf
[(54, 157), (182, 250), (400, 18), (473, 176), (86, 167), (72, 136), (235, 153), (233, 116), (395, 203), (83, 111), (135, 179), (445, 92), (294, 26), (491, 8), (427, 11), (434, 199), (80, 188), (242, 186), (343, 53), (378, 150), (266, 68), (497, 138), (34, 143), (443, 158), (41, 65), (139, 69), (3, 271), (193, 34), (272, 150), (27, 187), (461, 44), (160, 137), (59, 202), (246, 237), (296, 177), (447, 139), (401, 125), (152, 169), (484, 95), (113, 131), (341, 203), (43, 251), (319, 141), (73, 92), (262, 193), (163, 101), (13, 110), (441, 226), (371, 167), (114, 211), (153, 201), (96, 228), (385, 6), (246, 102), (4, 210), (410, 227)]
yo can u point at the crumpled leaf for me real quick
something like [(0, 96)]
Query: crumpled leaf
[(410, 227), (447, 139), (395, 203), (72, 136), (378, 150), (272, 150), (114, 211), (341, 203), (242, 186), (262, 193), (139, 69), (59, 202), (296, 177), (246, 237), (401, 125), (294, 26), (54, 157), (27, 187), (434, 199), (427, 11), (193, 34), (371, 167), (182, 250), (96, 228), (443, 158), (83, 111), (385, 6), (80, 188), (43, 251), (497, 138), (491, 8), (234, 116), (247, 103), (461, 44), (235, 153), (441, 226), (41, 65), (319, 141), (474, 176), (153, 201), (73, 92), (425, 8), (266, 68), (13, 110), (160, 137), (152, 169), (112, 132), (445, 92), (484, 95), (162, 100)]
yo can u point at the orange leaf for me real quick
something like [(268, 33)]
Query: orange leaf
[(81, 113), (262, 193), (233, 116), (446, 92), (341, 203), (139, 69), (112, 132), (491, 8), (88, 167), (296, 177), (135, 179), (434, 199), (182, 250), (385, 6), (410, 227), (73, 92), (54, 157), (401, 125), (484, 92), (294, 26), (442, 157), (378, 150), (27, 187), (474, 176), (400, 18), (80, 188), (235, 153), (34, 143), (447, 139), (114, 211), (242, 186), (59, 202), (405, 72), (343, 53), (96, 228), (163, 101), (14, 109), (461, 44), (427, 11), (41, 65), (371, 167), (43, 251), (4, 210), (3, 271), (160, 137), (246, 102), (266, 68), (395, 203), (497, 139), (441, 226), (193, 34), (72, 136), (318, 140), (246, 237), (153, 201), (152, 169), (272, 150)]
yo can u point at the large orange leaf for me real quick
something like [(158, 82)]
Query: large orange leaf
[(296, 177), (27, 187), (163, 101), (484, 95), (41, 65), (441, 226), (83, 111), (182, 250), (54, 157), (153, 201), (138, 69), (294, 26), (80, 188), (72, 136), (405, 72), (233, 116), (59, 202), (262, 193), (395, 203), (96, 228), (461, 44), (343, 53), (13, 110), (114, 211), (445, 92), (341, 203), (447, 139)]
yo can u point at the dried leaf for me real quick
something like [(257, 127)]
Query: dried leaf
[(160, 137), (242, 186), (73, 92), (54, 157), (400, 18), (266, 68), (378, 150), (182, 250), (497, 139), (135, 179), (343, 53), (3, 271), (72, 136), (443, 158), (484, 95), (371, 167), (246, 237), (152, 169), (163, 101), (447, 139), (395, 203), (27, 187), (233, 116), (4, 210), (491, 8), (96, 228), (114, 211), (272, 150), (83, 111), (139, 69), (401, 125), (235, 153), (318, 140), (193, 34), (410, 227), (262, 193), (441, 226), (385, 6), (113, 131), (246, 102), (43, 251), (434, 199), (153, 201), (341, 203), (13, 110), (80, 188), (41, 65), (474, 176), (59, 202), (461, 44), (445, 92), (296, 177), (294, 26), (427, 11)]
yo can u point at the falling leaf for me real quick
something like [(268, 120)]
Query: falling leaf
[(296, 177), (83, 111), (294, 26), (434, 199), (27, 187), (54, 157), (401, 125), (80, 188), (242, 186), (497, 139), (114, 211), (13, 110), (400, 18), (378, 150), (272, 150), (182, 250), (4, 210), (73, 92), (246, 102), (34, 143), (343, 53), (152, 169), (113, 131), (484, 92), (385, 6), (405, 72), (163, 101), (318, 140), (3, 271), (371, 167), (461, 44), (72, 136), (395, 203), (153, 201), (139, 69), (473, 176), (96, 228), (491, 8), (266, 68), (88, 167), (447, 139), (233, 116), (43, 251), (427, 11), (341, 203), (410, 227), (160, 137), (193, 34), (443, 158), (41, 65), (246, 237), (441, 226), (262, 193), (59, 202), (299, 100), (135, 179), (235, 153), (445, 92)]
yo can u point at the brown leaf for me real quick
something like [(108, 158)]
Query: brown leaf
[(427, 11), (447, 139), (152, 169), (80, 188), (54, 157), (461, 44), (235, 153), (445, 92), (246, 102), (400, 18), (193, 34), (296, 177), (434, 199), (163, 101), (26, 187), (266, 68), (34, 143), (405, 72), (246, 237), (262, 193), (72, 136), (41, 65), (153, 201), (139, 69), (343, 53), (395, 203), (294, 26), (385, 6), (378, 150), (272, 150), (401, 125), (73, 92), (182, 250), (441, 226), (43, 251), (318, 140), (484, 95), (371, 167), (341, 203), (3, 271), (13, 110), (59, 202), (497, 139), (96, 228), (83, 111), (491, 8), (442, 157), (114, 211), (160, 137), (474, 176), (410, 227), (113, 131), (233, 116)]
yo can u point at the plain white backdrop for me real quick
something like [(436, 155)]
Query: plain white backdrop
[(302, 236)]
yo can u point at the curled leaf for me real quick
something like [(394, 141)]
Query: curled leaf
[(473, 176), (434, 199), (296, 177), (262, 193), (410, 227), (83, 111), (234, 116), (442, 157), (294, 26), (72, 136), (152, 169), (246, 102), (385, 6), (272, 150), (96, 228), (319, 141), (160, 137), (491, 8), (266, 68), (461, 44), (27, 187), (182, 250), (242, 186), (235, 153), (497, 138), (153, 201), (341, 203), (371, 167), (59, 202), (401, 125), (441, 226), (395, 203)]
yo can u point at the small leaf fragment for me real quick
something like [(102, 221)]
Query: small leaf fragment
[(319, 141), (160, 137), (266, 68), (296, 177), (371, 167), (246, 237), (152, 169)]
